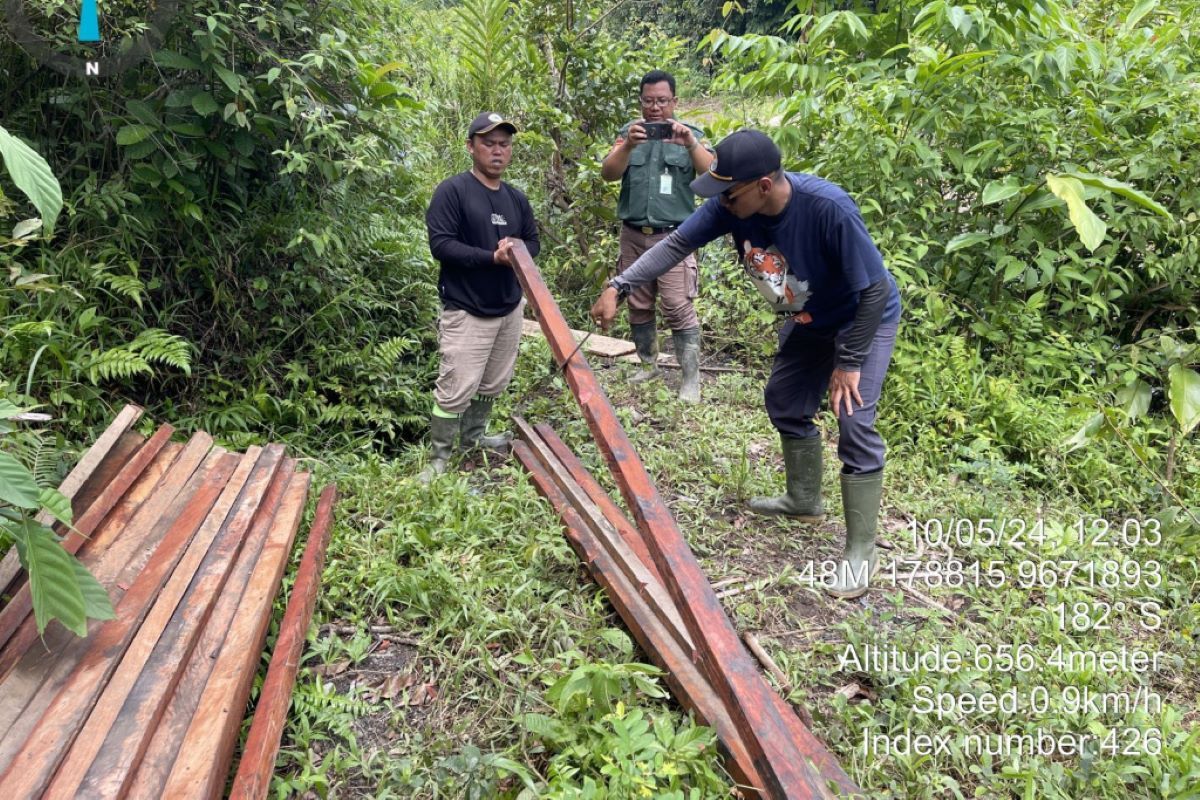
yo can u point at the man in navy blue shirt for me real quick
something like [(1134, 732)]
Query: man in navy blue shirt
[(806, 249)]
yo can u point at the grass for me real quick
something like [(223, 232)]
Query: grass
[(463, 651)]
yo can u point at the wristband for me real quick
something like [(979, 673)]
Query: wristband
[(622, 291)]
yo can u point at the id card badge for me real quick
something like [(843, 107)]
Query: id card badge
[(665, 183)]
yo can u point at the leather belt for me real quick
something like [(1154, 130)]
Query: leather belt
[(649, 231)]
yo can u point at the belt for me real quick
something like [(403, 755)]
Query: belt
[(648, 230)]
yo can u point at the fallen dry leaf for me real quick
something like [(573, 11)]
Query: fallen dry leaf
[(395, 684), (853, 690), (331, 669)]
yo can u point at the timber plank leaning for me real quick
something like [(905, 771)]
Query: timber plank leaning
[(191, 543)]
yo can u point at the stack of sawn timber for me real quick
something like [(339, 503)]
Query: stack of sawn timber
[(191, 542), (616, 555)]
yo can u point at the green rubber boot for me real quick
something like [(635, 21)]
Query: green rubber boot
[(474, 426), (860, 499), (687, 352), (645, 339), (443, 431), (802, 500)]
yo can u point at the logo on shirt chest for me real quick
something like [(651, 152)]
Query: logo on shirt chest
[(769, 272), (498, 219)]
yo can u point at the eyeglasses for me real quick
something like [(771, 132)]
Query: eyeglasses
[(730, 195), (661, 102)]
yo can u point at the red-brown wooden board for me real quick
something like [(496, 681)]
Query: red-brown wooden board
[(202, 764), (129, 731), (50, 660), (10, 565), (221, 654), (667, 622), (191, 544), (785, 770), (253, 777), (31, 770)]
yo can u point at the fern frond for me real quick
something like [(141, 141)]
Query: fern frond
[(157, 346), (128, 286), (116, 364)]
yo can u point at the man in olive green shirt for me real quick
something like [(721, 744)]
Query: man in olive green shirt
[(655, 174)]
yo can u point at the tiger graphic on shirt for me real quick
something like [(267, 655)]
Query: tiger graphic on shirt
[(767, 269)]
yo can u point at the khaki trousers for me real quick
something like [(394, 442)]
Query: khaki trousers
[(478, 356), (674, 290)]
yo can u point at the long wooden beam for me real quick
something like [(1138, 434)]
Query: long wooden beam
[(787, 772), (687, 683), (253, 779), (568, 464)]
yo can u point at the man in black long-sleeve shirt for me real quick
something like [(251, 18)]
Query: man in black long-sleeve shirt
[(472, 221)]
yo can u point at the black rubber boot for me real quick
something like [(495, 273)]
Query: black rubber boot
[(687, 352), (860, 500), (802, 500), (442, 433), (645, 339), (474, 426)]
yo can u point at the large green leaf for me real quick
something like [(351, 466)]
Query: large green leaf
[(1135, 16), (96, 602), (204, 104), (17, 487), (966, 240), (1134, 398), (8, 410), (1122, 189), (1091, 228), (1184, 392), (996, 191), (132, 134), (52, 578), (59, 506), (32, 175)]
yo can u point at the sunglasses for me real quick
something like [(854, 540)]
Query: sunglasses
[(730, 195)]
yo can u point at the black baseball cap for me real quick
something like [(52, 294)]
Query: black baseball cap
[(487, 122), (741, 156)]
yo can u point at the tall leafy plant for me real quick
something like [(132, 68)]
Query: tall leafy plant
[(60, 587)]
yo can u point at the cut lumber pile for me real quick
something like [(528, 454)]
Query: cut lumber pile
[(191, 542), (653, 579)]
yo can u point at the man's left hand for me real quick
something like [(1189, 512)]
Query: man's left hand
[(682, 135), (843, 389)]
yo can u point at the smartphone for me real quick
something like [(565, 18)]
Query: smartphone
[(658, 130)]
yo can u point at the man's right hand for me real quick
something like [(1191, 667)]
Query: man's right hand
[(604, 310), (634, 136), (504, 253)]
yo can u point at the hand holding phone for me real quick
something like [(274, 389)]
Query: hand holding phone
[(658, 130)]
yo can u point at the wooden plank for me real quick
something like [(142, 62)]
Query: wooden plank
[(32, 768), (117, 731), (227, 653), (118, 556), (648, 585), (21, 605), (202, 765), (53, 659), (253, 778), (688, 685), (734, 675), (10, 565), (670, 621), (117, 457), (596, 493), (597, 344)]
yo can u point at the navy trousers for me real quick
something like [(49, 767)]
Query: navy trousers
[(799, 384)]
